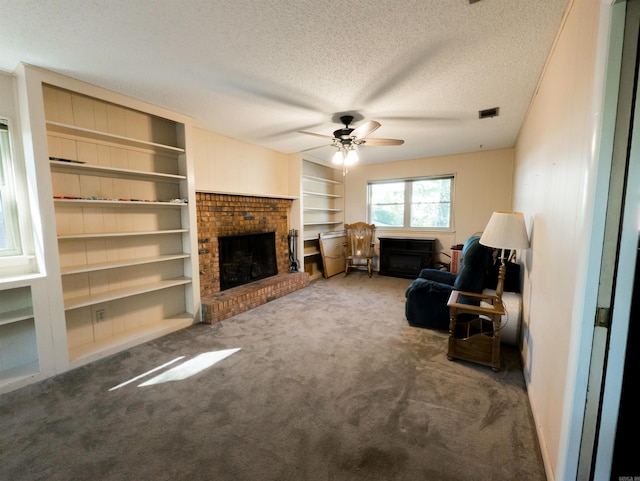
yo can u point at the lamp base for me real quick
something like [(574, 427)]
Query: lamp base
[(501, 275)]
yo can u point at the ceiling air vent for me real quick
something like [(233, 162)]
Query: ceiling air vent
[(488, 113), (471, 2)]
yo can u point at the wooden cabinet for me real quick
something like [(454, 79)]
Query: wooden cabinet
[(124, 222), (322, 206), (405, 257)]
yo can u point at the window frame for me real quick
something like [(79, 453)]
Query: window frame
[(22, 260), (8, 197), (408, 192)]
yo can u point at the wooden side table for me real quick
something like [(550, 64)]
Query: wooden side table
[(476, 339)]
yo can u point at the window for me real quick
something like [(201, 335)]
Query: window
[(9, 233), (412, 203)]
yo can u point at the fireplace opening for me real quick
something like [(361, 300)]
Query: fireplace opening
[(246, 258)]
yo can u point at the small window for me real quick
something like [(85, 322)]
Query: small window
[(9, 231), (424, 203)]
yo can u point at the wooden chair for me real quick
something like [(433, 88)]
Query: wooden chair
[(359, 246)]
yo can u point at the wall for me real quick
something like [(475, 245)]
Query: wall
[(230, 166), (483, 184), (7, 96), (554, 175)]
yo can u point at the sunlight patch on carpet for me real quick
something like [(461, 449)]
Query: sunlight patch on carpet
[(191, 367), (182, 371), (146, 373)]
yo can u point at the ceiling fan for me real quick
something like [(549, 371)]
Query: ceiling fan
[(347, 140)]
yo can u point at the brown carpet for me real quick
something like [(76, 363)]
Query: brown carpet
[(330, 383)]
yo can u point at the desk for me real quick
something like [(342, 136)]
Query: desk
[(475, 338)]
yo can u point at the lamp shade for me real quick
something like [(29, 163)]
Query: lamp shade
[(506, 230)]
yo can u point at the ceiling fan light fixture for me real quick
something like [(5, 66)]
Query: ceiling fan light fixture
[(352, 157), (338, 157)]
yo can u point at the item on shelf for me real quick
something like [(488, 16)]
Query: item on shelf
[(59, 159)]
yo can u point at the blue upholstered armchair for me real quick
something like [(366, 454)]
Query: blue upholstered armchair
[(427, 296)]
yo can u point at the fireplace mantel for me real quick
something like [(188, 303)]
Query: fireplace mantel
[(240, 194)]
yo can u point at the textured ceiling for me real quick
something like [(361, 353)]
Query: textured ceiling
[(260, 70)]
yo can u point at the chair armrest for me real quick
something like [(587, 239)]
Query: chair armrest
[(436, 275)]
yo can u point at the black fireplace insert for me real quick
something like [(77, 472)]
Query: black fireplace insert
[(246, 258)]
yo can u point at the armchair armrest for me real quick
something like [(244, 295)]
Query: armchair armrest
[(436, 275)]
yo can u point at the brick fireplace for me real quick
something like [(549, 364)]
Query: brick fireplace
[(220, 215)]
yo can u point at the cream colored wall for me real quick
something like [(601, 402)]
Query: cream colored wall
[(554, 172), (483, 184), (225, 165), (7, 96)]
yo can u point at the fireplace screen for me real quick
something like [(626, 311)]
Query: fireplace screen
[(246, 258)]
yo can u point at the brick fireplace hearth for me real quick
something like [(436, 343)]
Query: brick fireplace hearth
[(225, 215)]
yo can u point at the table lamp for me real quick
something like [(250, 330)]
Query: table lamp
[(505, 230)]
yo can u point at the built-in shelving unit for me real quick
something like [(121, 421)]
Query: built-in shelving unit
[(18, 345), (322, 209), (121, 194)]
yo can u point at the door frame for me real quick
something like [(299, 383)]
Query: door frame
[(624, 281), (577, 458)]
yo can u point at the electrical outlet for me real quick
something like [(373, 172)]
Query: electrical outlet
[(100, 315)]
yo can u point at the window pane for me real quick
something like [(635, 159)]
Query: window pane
[(431, 203), (430, 215), (9, 239), (3, 229), (387, 215), (392, 193), (386, 204), (437, 190)]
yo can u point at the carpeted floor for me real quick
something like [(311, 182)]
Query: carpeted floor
[(330, 383)]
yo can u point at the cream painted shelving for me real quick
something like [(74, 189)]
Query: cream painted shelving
[(124, 223), (18, 345), (323, 210)]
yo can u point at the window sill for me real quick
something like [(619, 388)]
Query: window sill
[(17, 266)]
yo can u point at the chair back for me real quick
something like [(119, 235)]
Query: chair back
[(360, 240), (475, 260)]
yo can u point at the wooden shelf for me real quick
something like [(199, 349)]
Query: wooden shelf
[(16, 373), (321, 209), (87, 169), (16, 315), (322, 194), (120, 203), (84, 301), (80, 133), (121, 234), (94, 350), (123, 263), (322, 223), (321, 180)]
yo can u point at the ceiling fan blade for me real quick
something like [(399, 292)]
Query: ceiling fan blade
[(314, 134), (382, 142), (365, 129), (316, 147)]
